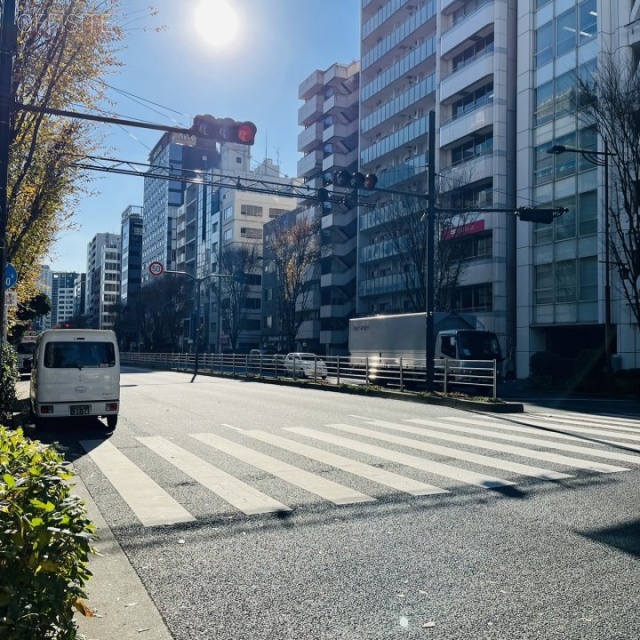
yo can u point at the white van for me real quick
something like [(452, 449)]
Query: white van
[(75, 373)]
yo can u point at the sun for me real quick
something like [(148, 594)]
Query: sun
[(216, 22)]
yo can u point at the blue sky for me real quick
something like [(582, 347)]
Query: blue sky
[(176, 74)]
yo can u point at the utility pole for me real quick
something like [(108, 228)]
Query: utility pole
[(430, 244), (8, 38)]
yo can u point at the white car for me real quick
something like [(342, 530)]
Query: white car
[(305, 365)]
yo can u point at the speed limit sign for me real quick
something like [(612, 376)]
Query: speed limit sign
[(156, 268)]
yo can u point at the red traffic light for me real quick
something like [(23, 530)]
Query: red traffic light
[(224, 129), (357, 180)]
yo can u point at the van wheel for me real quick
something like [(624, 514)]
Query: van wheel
[(112, 421)]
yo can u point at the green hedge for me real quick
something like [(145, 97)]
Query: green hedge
[(9, 376), (45, 542)]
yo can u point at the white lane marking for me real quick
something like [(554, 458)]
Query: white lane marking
[(380, 476), (537, 442), (590, 430), (437, 468), (151, 504), (486, 461), (611, 422), (230, 426), (322, 487), (238, 494)]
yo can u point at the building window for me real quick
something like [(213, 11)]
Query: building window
[(228, 235), (276, 213), (470, 149), (251, 210), (248, 232), (477, 298), (228, 212)]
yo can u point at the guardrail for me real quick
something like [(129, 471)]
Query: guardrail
[(405, 374)]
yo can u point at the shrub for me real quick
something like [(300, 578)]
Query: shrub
[(45, 542), (9, 376)]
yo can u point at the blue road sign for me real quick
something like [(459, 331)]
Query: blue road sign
[(10, 276)]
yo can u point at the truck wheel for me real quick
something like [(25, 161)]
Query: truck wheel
[(112, 421)]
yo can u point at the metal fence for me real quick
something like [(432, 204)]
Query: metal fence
[(465, 376)]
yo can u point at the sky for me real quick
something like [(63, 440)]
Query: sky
[(185, 70)]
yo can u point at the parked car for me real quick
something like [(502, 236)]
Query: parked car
[(305, 365), (264, 356)]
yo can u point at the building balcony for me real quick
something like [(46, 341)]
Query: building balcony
[(339, 131), (381, 286), (456, 82), (311, 163), (464, 29), (311, 85), (337, 310), (310, 138), (310, 111), (338, 279), (339, 102), (467, 124), (475, 169), (416, 131), (338, 159)]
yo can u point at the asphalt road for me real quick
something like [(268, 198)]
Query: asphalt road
[(239, 530)]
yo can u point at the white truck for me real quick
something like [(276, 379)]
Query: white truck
[(395, 345), (25, 349)]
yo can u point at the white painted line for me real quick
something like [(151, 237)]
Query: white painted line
[(486, 461), (387, 478), (537, 442), (322, 487), (624, 424), (238, 494), (151, 504), (437, 468)]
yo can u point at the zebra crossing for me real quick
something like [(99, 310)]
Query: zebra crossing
[(407, 457)]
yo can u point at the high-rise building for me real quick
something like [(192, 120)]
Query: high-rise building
[(329, 142), (457, 59), (174, 156), (62, 297), (131, 253), (103, 280)]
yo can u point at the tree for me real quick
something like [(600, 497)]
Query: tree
[(64, 49), (161, 308), (294, 251), (35, 307), (609, 100), (406, 231), (241, 261)]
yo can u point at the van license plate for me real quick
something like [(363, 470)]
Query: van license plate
[(81, 410)]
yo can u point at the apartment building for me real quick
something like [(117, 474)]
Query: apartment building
[(457, 59), (329, 142)]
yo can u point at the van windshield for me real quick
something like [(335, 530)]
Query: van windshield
[(77, 355), (479, 345), (26, 347)]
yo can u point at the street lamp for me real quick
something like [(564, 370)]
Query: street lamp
[(599, 159)]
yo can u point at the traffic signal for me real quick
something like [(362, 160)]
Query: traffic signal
[(224, 129), (357, 180), (544, 216)]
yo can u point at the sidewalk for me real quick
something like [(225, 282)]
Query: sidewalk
[(123, 609)]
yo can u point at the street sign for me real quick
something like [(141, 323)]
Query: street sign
[(10, 299), (10, 276), (156, 268)]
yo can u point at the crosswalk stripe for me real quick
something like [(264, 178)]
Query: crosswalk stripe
[(538, 442), (151, 504), (237, 493), (532, 426), (437, 468), (361, 469), (486, 461), (322, 487), (604, 433), (624, 424)]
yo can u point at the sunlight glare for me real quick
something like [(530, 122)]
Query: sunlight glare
[(216, 22)]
